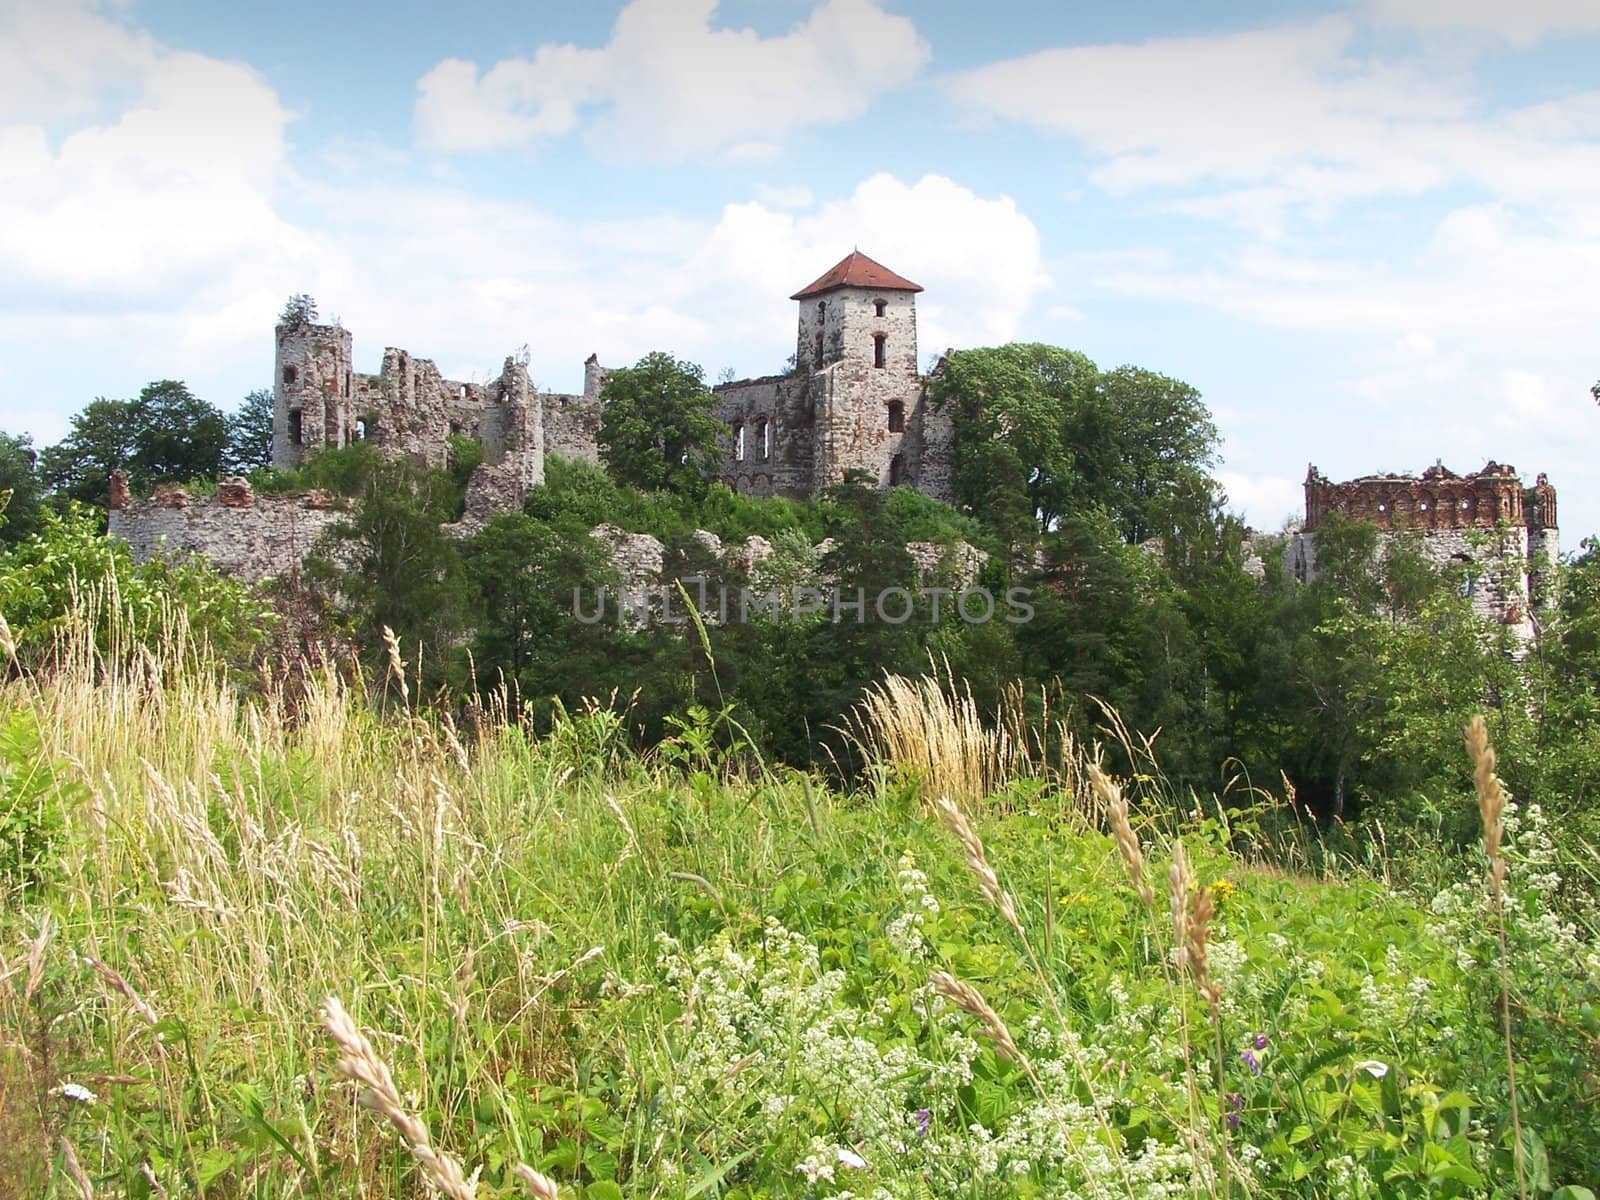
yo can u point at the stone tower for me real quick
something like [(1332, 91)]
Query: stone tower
[(858, 342), (312, 408)]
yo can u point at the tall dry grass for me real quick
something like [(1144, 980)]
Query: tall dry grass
[(931, 728)]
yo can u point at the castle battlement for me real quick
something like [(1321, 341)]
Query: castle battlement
[(1506, 534)]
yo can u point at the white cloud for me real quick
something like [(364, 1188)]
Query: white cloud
[(1249, 128), (1521, 24), (979, 258), (1292, 105), (713, 290), (148, 204), (1266, 502), (59, 59), (669, 85)]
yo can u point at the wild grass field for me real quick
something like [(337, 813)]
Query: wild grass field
[(306, 937)]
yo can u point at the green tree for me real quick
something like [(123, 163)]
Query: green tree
[(19, 488), (250, 434), (657, 431), (165, 434), (390, 564), (1143, 449), (1044, 423), (525, 576), (176, 435), (298, 309), (99, 440), (1012, 410)]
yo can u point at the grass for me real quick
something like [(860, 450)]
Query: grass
[(555, 967)]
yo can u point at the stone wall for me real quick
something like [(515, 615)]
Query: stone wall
[(1487, 521), (243, 534), (408, 411), (773, 416)]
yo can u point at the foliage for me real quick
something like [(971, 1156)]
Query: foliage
[(682, 974), (166, 434), (69, 573), (656, 427), (21, 488), (250, 434), (298, 309), (1045, 423), (391, 566), (99, 440)]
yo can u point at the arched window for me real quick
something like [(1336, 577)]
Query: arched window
[(897, 470), (897, 417), (296, 429), (738, 443), (880, 307), (880, 349), (765, 432)]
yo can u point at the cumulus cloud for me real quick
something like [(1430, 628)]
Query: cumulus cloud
[(1242, 127), (669, 84), (713, 289), (149, 204)]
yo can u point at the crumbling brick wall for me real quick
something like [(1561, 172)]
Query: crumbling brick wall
[(1486, 520)]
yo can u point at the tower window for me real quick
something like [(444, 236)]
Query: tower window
[(295, 430), (766, 441), (290, 374), (880, 307), (819, 349), (738, 443), (897, 470), (897, 416), (880, 349)]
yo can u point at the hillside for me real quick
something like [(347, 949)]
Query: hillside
[(688, 974)]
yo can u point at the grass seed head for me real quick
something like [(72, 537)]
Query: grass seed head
[(359, 1062), (1491, 798), (977, 861), (540, 1187), (1116, 806), (967, 998)]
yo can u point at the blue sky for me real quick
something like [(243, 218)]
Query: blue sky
[(1368, 232)]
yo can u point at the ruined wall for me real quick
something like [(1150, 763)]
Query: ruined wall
[(409, 411), (243, 534), (1488, 521), (311, 391), (774, 416), (1438, 499)]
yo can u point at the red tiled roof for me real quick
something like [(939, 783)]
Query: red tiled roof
[(857, 270)]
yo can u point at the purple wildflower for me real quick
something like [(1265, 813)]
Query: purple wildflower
[(1252, 1062), (1261, 1041), (1235, 1109), (924, 1119)]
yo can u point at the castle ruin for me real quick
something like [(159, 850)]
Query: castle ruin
[(853, 401), (1505, 532)]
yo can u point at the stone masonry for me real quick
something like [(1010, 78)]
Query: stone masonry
[(1507, 532), (244, 534), (854, 401)]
